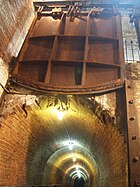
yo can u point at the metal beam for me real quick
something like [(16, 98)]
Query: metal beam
[(84, 3), (133, 136)]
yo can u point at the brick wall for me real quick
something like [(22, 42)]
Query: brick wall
[(13, 149), (3, 74), (16, 18)]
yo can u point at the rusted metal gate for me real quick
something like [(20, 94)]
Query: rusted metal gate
[(72, 49)]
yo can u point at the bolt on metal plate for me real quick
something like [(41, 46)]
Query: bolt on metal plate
[(131, 101), (134, 137)]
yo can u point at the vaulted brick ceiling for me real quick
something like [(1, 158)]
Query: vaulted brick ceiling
[(41, 143)]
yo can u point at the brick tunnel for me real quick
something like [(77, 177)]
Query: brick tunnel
[(69, 100), (40, 149)]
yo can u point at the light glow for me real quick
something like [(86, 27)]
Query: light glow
[(60, 115), (70, 146), (78, 174), (74, 159), (77, 167)]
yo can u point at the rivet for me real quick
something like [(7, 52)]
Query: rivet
[(136, 159), (137, 183), (134, 137), (131, 101), (129, 86), (132, 118)]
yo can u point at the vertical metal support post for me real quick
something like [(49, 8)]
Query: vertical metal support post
[(133, 136), (126, 51)]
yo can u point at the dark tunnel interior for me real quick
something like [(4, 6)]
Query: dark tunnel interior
[(79, 182)]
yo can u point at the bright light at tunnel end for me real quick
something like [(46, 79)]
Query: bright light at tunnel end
[(79, 174), (70, 146)]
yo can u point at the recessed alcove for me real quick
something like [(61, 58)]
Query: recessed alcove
[(70, 48), (39, 48), (103, 50), (95, 73), (66, 73), (35, 71)]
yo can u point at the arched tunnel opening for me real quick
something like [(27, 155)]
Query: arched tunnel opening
[(70, 164), (86, 137)]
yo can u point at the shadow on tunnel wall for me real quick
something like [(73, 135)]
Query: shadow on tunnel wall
[(40, 149), (36, 160)]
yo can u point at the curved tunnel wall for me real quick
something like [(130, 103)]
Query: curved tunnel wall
[(27, 143), (63, 158)]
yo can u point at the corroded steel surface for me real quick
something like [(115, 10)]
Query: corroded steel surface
[(72, 51), (133, 134)]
